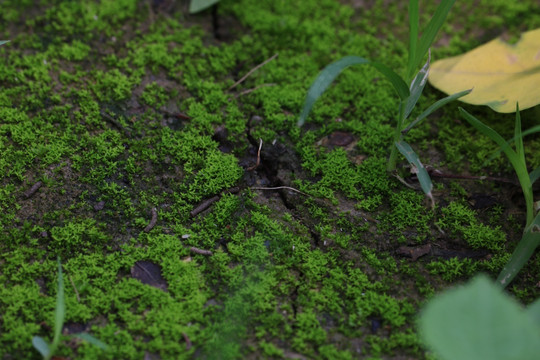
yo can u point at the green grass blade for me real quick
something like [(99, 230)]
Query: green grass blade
[(423, 177), (519, 138), (60, 312), (417, 86), (413, 36), (2, 42), (524, 250), (527, 132), (534, 175), (41, 345), (329, 73), (92, 340), (199, 5), (435, 106), (432, 29)]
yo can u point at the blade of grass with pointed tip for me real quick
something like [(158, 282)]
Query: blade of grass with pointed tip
[(2, 42), (329, 73), (435, 106), (423, 177), (417, 86), (524, 250), (60, 312), (413, 36), (41, 345), (534, 175), (431, 30), (530, 131), (92, 340), (199, 5)]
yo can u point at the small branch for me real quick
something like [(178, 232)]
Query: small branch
[(245, 92), (279, 188), (437, 173), (33, 189), (153, 221), (195, 250), (204, 205), (252, 71), (251, 168)]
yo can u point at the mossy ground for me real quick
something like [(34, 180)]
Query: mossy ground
[(119, 107)]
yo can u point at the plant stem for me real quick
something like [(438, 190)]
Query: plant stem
[(397, 137)]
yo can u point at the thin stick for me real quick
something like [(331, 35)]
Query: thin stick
[(74, 288), (204, 205), (437, 173), (245, 92), (33, 189), (278, 188), (153, 221), (252, 71), (200, 251), (251, 168)]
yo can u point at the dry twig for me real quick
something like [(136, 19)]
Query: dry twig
[(251, 72)]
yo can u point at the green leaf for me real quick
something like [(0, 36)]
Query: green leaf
[(524, 250), (41, 345), (60, 312), (431, 30), (199, 5), (533, 311), (329, 73), (92, 340), (527, 132), (2, 42), (478, 321), (435, 106), (417, 86), (423, 177), (534, 175), (413, 36)]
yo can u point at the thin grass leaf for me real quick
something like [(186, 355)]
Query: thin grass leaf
[(432, 29), (42, 346), (534, 175), (524, 250), (199, 5), (2, 42), (518, 163), (527, 132), (329, 73), (435, 106), (60, 312), (423, 177), (417, 86), (413, 36), (519, 138), (92, 340)]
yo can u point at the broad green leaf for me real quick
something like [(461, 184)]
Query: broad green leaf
[(431, 30), (92, 340), (41, 345), (60, 312), (436, 105), (524, 250), (501, 74), (478, 321), (329, 73), (199, 5), (423, 177)]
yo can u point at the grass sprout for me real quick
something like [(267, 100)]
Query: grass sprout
[(531, 234), (408, 89), (47, 350)]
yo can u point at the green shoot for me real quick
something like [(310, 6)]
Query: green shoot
[(531, 235), (2, 42), (409, 91), (48, 350), (196, 6)]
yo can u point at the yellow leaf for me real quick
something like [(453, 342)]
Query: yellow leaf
[(499, 73)]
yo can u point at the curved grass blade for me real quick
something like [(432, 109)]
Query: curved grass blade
[(41, 345), (524, 250), (530, 131), (329, 73), (417, 86), (534, 175), (199, 5), (2, 42), (436, 105), (92, 340), (431, 30), (60, 312), (412, 158)]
